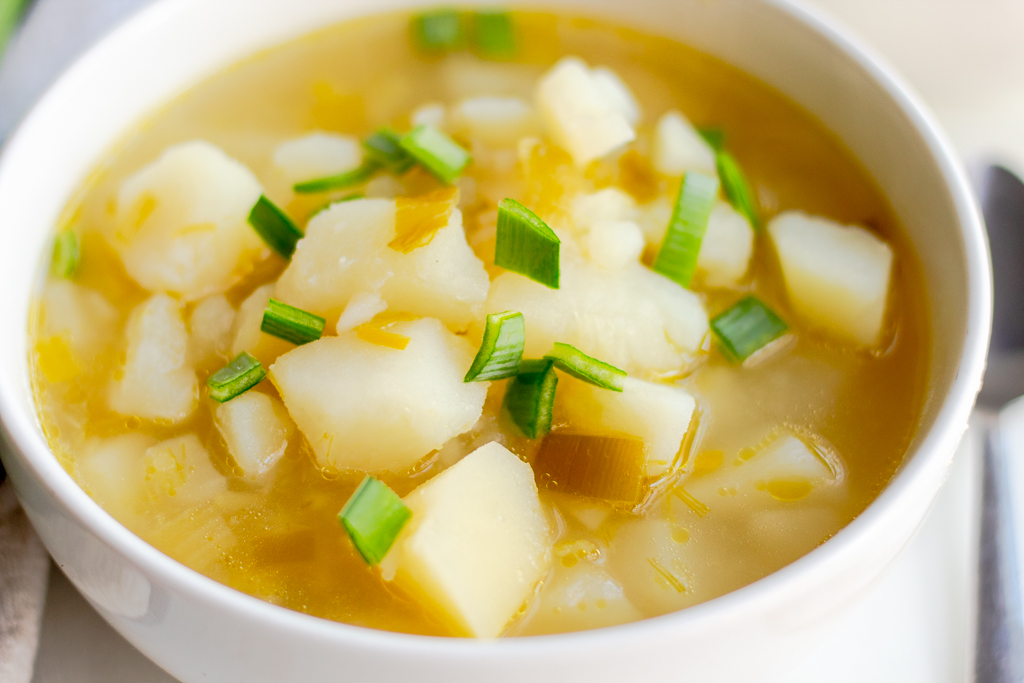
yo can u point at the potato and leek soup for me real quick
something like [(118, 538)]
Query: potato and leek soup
[(476, 323)]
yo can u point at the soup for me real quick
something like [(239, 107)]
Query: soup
[(481, 324)]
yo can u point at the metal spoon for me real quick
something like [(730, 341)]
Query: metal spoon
[(999, 657)]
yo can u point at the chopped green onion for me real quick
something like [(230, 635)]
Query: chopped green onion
[(274, 227), (611, 468), (66, 253), (581, 366), (436, 152), (373, 517), (737, 188), (438, 30), (714, 137), (746, 327), (235, 378), (495, 34), (292, 324), (530, 397), (341, 181), (501, 349), (677, 258), (526, 245), (385, 147)]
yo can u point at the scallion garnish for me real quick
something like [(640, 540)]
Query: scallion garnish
[(274, 227), (436, 152), (438, 30), (714, 137), (677, 258), (737, 188), (611, 468), (526, 245), (66, 252), (581, 366), (385, 147), (746, 327), (341, 181), (494, 33), (530, 397), (235, 378), (373, 517), (292, 324), (501, 350)]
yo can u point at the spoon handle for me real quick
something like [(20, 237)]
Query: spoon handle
[(1000, 638)]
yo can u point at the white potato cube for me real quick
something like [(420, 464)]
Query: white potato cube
[(182, 221), (726, 249), (634, 318), (658, 414), (477, 544), (431, 114), (787, 464), (158, 379), (618, 93), (579, 113), (112, 470), (496, 121), (210, 326), (256, 428), (182, 469), (466, 76), (246, 333), (583, 596), (81, 317), (614, 245), (372, 408), (361, 308), (345, 252), (837, 276), (679, 148), (317, 155), (609, 204)]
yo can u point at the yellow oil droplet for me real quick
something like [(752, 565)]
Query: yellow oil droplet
[(56, 360), (707, 462), (760, 484), (680, 535), (582, 606), (601, 603), (746, 453), (723, 491), (788, 490), (132, 422), (569, 560)]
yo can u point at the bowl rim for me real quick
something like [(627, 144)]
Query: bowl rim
[(950, 421)]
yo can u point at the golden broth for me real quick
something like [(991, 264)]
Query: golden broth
[(284, 544)]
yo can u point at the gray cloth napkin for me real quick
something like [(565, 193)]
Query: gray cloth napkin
[(24, 568)]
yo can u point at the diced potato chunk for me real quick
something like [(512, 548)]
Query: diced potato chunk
[(579, 112), (210, 325), (583, 596), (477, 544), (372, 408), (496, 121), (361, 308), (679, 148), (614, 245), (247, 335), (656, 413), (182, 221), (317, 155), (430, 114), (345, 251), (256, 428), (81, 317), (787, 469), (609, 204), (837, 276), (113, 471), (466, 76), (158, 380), (181, 468), (618, 93), (634, 319), (726, 249)]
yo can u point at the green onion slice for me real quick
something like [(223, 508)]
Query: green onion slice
[(581, 366), (437, 153), (66, 253), (677, 258), (495, 34), (737, 188), (385, 147), (341, 181), (530, 397), (526, 245), (373, 517), (235, 378), (714, 137), (502, 348), (438, 30), (292, 324), (274, 227), (746, 327)]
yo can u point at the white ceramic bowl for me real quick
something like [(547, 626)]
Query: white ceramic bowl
[(200, 630)]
